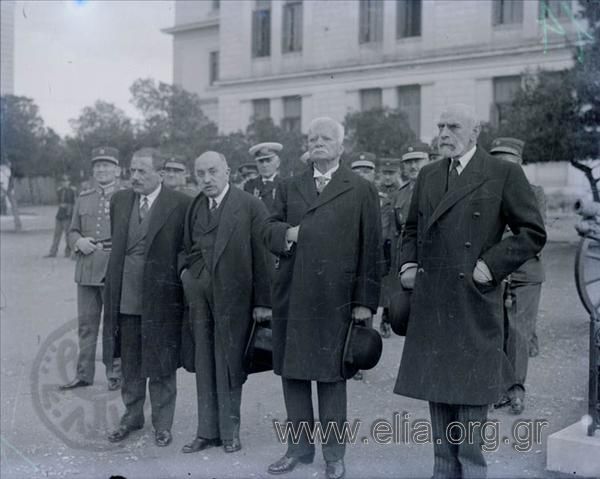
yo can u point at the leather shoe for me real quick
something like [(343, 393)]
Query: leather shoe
[(121, 433), (199, 444), (287, 464), (163, 438), (76, 383), (232, 446), (335, 469), (114, 384)]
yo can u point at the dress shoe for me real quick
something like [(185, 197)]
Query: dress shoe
[(504, 401), (232, 446), (114, 384), (533, 350), (358, 376), (335, 469), (122, 432), (199, 444), (163, 438), (517, 399), (76, 383), (385, 329), (287, 464)]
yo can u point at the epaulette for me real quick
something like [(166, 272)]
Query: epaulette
[(87, 192)]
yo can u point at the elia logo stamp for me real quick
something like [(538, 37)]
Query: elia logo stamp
[(82, 417)]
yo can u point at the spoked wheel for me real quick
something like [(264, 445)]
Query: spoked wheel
[(587, 274)]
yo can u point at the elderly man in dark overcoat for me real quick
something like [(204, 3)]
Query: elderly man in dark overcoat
[(454, 256), (143, 294), (326, 234), (225, 277)]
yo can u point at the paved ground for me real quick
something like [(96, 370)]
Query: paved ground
[(51, 434)]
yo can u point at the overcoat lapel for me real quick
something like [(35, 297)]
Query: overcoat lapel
[(159, 214), (121, 232), (339, 184), (469, 180), (307, 187), (227, 223)]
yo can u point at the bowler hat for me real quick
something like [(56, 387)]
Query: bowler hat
[(362, 350), (258, 356), (399, 308)]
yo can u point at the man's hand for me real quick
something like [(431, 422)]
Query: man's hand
[(408, 277), (86, 245), (360, 314), (261, 314), (291, 235), (481, 273)]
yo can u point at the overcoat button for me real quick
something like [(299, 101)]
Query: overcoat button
[(468, 244), (476, 214), (461, 275)]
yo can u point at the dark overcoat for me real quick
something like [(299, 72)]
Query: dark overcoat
[(333, 267), (239, 276), (162, 300), (453, 352)]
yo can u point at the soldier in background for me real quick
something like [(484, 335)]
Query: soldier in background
[(434, 154), (66, 194), (175, 176), (522, 296), (389, 186), (89, 236), (414, 157), (247, 172), (267, 162)]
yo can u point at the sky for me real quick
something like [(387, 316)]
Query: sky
[(68, 54)]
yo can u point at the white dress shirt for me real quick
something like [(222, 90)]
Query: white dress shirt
[(151, 197)]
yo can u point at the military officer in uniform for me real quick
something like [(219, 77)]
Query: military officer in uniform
[(522, 296), (66, 194), (247, 171), (267, 162), (89, 236), (364, 166), (414, 157), (174, 175), (390, 183)]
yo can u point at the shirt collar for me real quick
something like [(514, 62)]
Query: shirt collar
[(328, 174), (152, 196), (463, 161), (104, 189), (270, 178), (219, 198)]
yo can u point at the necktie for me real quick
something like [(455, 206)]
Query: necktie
[(144, 208), (453, 174), (213, 205), (321, 182)]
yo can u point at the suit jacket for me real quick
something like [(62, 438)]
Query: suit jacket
[(453, 350), (162, 297), (239, 276), (333, 267)]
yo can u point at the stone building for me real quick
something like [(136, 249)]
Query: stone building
[(294, 60)]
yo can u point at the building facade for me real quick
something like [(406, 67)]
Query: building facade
[(7, 47), (295, 60)]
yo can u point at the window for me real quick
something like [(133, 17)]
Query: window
[(292, 113), (292, 27), (555, 8), (505, 89), (409, 102), (371, 21), (213, 67), (261, 29), (216, 4), (261, 109), (507, 11), (408, 18), (370, 99)]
